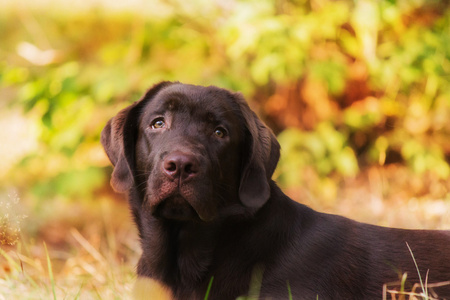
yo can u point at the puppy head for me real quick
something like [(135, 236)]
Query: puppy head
[(191, 147)]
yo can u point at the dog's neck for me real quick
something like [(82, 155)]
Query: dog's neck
[(170, 240), (202, 244)]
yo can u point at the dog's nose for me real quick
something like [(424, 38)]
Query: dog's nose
[(180, 165)]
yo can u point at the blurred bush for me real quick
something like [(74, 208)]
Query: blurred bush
[(346, 84)]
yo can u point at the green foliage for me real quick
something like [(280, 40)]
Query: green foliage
[(70, 70), (325, 148)]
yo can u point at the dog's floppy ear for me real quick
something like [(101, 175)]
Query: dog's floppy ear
[(119, 139), (112, 141), (261, 154)]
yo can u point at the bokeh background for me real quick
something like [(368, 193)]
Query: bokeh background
[(358, 93)]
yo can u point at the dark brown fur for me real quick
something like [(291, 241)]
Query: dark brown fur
[(196, 164)]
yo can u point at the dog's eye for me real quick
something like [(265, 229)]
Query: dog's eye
[(158, 123), (220, 132)]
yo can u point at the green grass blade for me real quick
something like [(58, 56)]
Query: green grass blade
[(50, 272), (403, 282), (425, 291), (77, 296), (289, 290), (209, 288)]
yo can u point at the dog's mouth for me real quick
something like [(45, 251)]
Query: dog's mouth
[(181, 203), (175, 208)]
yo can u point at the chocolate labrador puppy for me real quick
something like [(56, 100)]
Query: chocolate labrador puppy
[(196, 164)]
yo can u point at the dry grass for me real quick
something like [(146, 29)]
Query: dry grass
[(96, 261), (81, 277), (396, 291), (420, 291)]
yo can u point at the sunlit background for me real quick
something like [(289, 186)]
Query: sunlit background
[(358, 93)]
